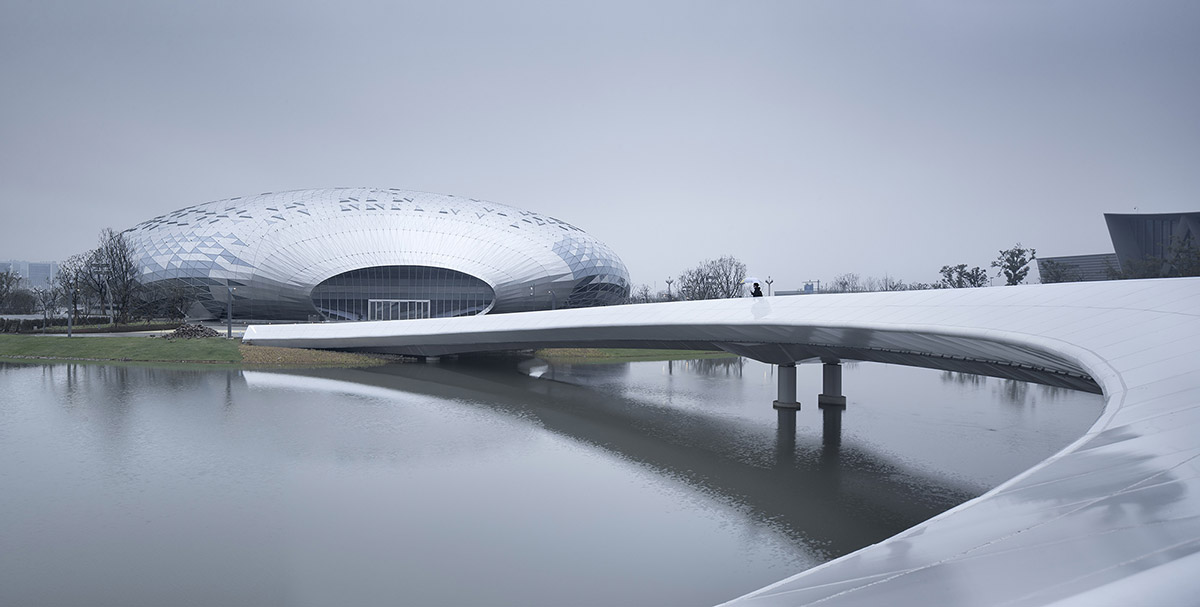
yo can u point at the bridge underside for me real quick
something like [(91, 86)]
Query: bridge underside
[(787, 345)]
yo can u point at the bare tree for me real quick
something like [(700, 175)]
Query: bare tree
[(713, 279), (70, 282), (94, 279), (845, 283), (165, 299), (122, 270), (110, 274), (642, 294), (851, 282), (47, 297), (8, 284), (887, 283), (175, 299), (728, 276)]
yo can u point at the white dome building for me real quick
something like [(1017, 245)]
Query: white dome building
[(371, 254)]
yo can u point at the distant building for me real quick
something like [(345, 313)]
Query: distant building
[(1138, 237), (1078, 268), (809, 288), (41, 273), (1135, 238), (33, 273)]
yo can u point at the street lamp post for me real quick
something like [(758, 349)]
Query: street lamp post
[(71, 311), (112, 314), (768, 281), (104, 271), (229, 312)]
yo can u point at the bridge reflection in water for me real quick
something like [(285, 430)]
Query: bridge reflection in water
[(802, 482), (1135, 341)]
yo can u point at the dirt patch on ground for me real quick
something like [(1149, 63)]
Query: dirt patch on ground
[(287, 357), (192, 332)]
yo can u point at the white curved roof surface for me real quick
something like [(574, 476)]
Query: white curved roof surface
[(1113, 518), (275, 247)]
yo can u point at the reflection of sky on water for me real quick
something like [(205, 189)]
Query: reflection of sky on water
[(978, 430), (228, 492), (469, 481)]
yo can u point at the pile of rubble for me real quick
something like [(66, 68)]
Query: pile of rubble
[(191, 332)]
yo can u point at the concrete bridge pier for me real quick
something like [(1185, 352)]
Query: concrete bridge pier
[(785, 436), (831, 389), (831, 429), (787, 387)]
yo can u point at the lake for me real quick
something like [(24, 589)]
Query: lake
[(496, 480)]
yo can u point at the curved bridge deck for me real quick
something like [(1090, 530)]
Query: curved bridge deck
[(1112, 519)]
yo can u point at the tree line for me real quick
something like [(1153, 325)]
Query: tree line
[(1013, 265), (104, 278), (710, 279), (724, 277), (1182, 258)]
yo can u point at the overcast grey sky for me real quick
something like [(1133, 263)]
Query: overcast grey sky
[(806, 138)]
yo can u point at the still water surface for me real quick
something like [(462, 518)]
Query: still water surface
[(496, 481)]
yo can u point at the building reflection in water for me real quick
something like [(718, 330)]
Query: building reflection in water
[(831, 430), (776, 468), (1009, 391), (785, 435), (781, 474)]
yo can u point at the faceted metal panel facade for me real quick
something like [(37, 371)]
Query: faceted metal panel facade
[(275, 248)]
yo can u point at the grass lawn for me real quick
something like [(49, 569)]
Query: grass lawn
[(612, 355), (212, 350)]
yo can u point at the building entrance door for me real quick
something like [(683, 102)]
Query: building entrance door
[(397, 309)]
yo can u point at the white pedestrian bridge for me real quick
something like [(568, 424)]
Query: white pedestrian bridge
[(1112, 519)]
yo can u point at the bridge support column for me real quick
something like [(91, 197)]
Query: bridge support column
[(831, 429), (831, 389), (787, 387), (785, 436)]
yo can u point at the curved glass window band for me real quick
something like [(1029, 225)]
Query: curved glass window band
[(370, 293)]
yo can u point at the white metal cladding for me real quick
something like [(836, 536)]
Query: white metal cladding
[(276, 247)]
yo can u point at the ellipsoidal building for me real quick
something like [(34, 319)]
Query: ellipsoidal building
[(371, 254)]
